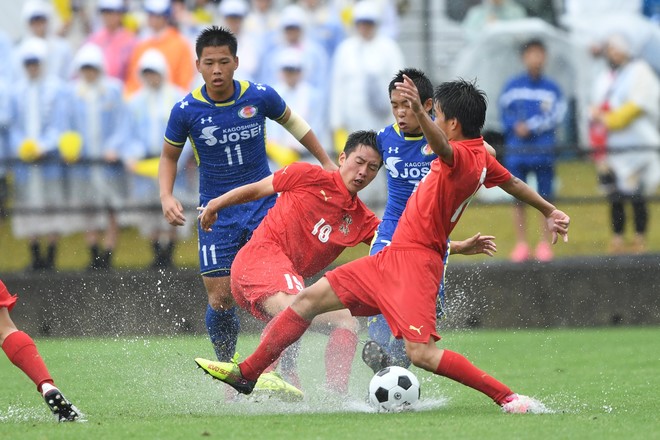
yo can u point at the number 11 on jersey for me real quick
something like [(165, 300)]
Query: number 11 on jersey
[(237, 149)]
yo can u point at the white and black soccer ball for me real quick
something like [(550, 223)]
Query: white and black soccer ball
[(393, 389)]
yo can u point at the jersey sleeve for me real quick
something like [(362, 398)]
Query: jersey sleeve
[(274, 104), (299, 173), (177, 126), (496, 174), (380, 138)]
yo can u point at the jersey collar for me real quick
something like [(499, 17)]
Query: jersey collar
[(240, 87), (405, 136)]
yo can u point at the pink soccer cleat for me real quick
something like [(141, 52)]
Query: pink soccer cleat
[(519, 404)]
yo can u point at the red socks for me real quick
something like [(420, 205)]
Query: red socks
[(21, 351), (455, 366), (339, 355), (286, 328)]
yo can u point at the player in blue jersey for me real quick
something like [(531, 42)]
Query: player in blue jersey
[(407, 157), (224, 120)]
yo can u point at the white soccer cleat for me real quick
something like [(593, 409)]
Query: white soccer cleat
[(519, 404)]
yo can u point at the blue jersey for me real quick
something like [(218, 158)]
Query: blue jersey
[(407, 160), (228, 138), (539, 103)]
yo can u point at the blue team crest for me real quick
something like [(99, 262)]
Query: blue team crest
[(248, 111), (426, 150)]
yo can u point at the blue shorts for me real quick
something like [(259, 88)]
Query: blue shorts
[(229, 234), (545, 174)]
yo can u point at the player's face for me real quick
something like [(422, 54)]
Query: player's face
[(359, 168), (217, 66), (403, 115)]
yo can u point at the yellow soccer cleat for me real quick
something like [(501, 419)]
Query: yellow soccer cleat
[(227, 372), (270, 384)]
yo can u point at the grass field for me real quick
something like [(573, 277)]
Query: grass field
[(600, 383)]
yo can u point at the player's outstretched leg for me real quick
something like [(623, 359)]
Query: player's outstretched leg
[(268, 383), (455, 366), (63, 410)]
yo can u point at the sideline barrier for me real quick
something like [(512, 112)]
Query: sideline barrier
[(571, 292)]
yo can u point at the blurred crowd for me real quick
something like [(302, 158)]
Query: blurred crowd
[(86, 90)]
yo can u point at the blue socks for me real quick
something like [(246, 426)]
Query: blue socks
[(380, 332), (223, 327)]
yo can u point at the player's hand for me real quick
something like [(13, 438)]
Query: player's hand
[(206, 217), (173, 211), (478, 244), (558, 223), (409, 91)]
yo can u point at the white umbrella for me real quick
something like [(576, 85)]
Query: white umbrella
[(495, 57), (642, 33), (587, 32)]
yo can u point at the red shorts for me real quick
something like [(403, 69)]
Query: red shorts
[(6, 299), (259, 271), (400, 283)]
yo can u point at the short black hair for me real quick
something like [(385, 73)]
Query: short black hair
[(214, 36), (532, 42), (366, 138), (419, 78), (462, 100)]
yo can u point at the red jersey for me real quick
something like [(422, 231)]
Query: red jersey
[(315, 217), (444, 193), (402, 280)]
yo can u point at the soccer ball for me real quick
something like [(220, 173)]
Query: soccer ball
[(393, 389)]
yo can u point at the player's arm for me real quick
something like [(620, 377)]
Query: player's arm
[(435, 137), (167, 168), (243, 194), (557, 220), (300, 129), (477, 244)]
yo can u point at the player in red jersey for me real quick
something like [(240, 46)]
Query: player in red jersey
[(402, 280), (317, 216), (22, 352)]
